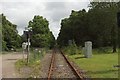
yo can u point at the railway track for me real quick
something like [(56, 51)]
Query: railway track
[(60, 67), (51, 65)]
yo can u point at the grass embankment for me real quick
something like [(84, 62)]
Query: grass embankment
[(34, 63), (101, 65)]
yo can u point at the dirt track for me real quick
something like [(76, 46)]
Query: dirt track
[(8, 65)]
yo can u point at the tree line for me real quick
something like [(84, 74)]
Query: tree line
[(41, 35), (10, 37), (98, 25)]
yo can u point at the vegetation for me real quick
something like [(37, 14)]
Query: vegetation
[(99, 66), (34, 62), (0, 34), (98, 25), (10, 37), (72, 49), (41, 35)]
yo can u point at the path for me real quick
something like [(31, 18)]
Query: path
[(8, 65)]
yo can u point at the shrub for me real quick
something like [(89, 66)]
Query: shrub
[(72, 49)]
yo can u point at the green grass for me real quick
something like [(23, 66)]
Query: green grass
[(99, 66), (22, 63)]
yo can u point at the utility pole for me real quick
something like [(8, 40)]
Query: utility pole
[(28, 46)]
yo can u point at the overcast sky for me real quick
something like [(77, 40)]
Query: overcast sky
[(20, 12)]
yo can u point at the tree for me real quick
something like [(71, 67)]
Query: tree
[(10, 36), (98, 25), (41, 35), (110, 9)]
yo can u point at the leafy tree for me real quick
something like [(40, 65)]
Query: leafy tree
[(10, 37), (41, 35), (98, 25), (110, 24)]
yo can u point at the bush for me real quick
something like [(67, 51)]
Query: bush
[(4, 47), (104, 50), (72, 49)]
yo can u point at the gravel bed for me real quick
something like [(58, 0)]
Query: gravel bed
[(81, 71), (61, 68), (45, 64)]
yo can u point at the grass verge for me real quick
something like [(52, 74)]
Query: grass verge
[(32, 68), (99, 66)]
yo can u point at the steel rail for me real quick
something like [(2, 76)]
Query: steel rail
[(78, 75), (51, 65), (81, 77)]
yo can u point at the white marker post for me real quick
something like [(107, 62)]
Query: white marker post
[(24, 45), (88, 49)]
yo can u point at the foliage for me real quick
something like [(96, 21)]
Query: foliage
[(37, 54), (98, 25), (103, 50), (41, 35), (71, 49), (35, 57), (0, 35), (10, 37), (20, 63), (4, 45)]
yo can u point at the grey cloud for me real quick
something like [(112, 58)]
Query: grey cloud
[(55, 27), (14, 5), (55, 5), (56, 16), (56, 10)]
